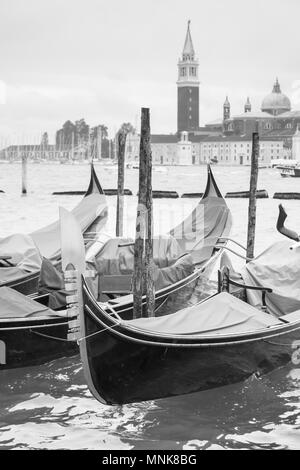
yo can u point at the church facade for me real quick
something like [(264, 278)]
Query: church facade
[(228, 139)]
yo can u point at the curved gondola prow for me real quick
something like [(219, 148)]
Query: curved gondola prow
[(73, 266), (212, 188), (210, 219), (94, 186), (282, 229)]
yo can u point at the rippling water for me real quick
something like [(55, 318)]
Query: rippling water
[(49, 407)]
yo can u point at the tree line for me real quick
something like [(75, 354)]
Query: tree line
[(94, 139)]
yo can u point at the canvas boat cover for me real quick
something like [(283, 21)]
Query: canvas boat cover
[(197, 235), (278, 267), (221, 314), (89, 209), (16, 305), (115, 257), (25, 257), (210, 220), (26, 251)]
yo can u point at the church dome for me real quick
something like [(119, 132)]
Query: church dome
[(276, 102)]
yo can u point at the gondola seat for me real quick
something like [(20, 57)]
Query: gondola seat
[(222, 314)]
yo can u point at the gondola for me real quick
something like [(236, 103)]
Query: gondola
[(30, 332), (137, 360), (221, 340), (21, 255), (42, 334), (199, 240)]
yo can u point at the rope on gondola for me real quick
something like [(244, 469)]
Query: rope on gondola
[(49, 337), (97, 333), (43, 335)]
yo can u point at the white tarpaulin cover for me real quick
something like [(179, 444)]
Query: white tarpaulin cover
[(25, 257), (115, 256), (26, 251), (210, 220), (278, 267), (91, 207), (16, 305), (219, 315)]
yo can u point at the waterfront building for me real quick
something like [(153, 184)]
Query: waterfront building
[(275, 119), (226, 140), (37, 153), (296, 144), (33, 152)]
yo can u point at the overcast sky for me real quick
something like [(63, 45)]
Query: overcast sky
[(104, 60)]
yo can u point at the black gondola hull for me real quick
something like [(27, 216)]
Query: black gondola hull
[(127, 367), (26, 343)]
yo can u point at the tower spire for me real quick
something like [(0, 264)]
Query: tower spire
[(188, 49)]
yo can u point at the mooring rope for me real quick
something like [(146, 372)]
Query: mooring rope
[(97, 333), (49, 337)]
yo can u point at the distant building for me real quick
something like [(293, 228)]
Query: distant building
[(275, 119), (191, 149), (296, 144), (188, 88), (33, 152), (36, 153), (226, 140)]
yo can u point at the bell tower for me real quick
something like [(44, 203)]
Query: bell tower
[(188, 88), (226, 109), (247, 108)]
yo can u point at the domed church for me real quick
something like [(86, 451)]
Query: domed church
[(276, 102), (275, 119)]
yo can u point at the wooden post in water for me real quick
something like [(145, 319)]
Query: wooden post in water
[(121, 169), (24, 174), (143, 250), (252, 195)]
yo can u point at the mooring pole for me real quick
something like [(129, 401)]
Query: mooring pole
[(121, 169), (252, 195), (24, 174), (143, 263)]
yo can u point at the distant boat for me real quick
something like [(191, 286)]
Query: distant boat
[(283, 163), (290, 171), (136, 166)]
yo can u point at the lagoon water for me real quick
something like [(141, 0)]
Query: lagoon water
[(50, 407)]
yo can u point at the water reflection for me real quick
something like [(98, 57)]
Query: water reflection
[(50, 407)]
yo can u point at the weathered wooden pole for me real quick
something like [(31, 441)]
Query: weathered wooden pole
[(24, 174), (121, 169), (252, 195), (143, 250)]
